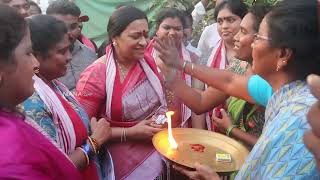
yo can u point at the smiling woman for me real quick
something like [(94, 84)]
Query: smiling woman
[(52, 103), (284, 53), (126, 89), (171, 23)]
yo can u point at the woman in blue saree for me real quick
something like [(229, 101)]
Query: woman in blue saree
[(54, 108), (284, 53)]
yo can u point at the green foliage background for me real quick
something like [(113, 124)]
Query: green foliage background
[(100, 10)]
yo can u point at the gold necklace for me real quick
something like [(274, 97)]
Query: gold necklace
[(122, 72)]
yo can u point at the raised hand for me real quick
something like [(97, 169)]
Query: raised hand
[(222, 123), (312, 138), (101, 130), (168, 52)]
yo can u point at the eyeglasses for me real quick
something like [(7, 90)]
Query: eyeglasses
[(260, 37)]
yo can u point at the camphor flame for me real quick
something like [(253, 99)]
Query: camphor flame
[(172, 142)]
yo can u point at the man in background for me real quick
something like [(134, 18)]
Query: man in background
[(22, 6), (82, 56)]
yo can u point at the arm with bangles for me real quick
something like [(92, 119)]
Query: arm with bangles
[(101, 133), (144, 130), (223, 80), (228, 82), (198, 102)]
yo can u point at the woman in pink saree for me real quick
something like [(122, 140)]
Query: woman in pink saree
[(26, 153), (124, 87), (228, 15), (171, 22)]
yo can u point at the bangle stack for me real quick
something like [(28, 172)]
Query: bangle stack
[(89, 149), (229, 129), (123, 137), (184, 67), (85, 154), (94, 144)]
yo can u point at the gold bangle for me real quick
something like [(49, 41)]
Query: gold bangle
[(125, 134), (192, 67), (95, 142), (85, 154), (184, 66), (94, 147)]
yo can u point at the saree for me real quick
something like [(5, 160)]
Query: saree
[(280, 152), (247, 117), (31, 155), (124, 104), (54, 108), (217, 59), (184, 113)]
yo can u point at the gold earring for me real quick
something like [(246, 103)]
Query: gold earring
[(278, 67), (36, 70), (114, 43)]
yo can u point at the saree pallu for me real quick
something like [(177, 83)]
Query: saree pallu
[(54, 108), (247, 117), (184, 113), (280, 152), (125, 104), (31, 155), (217, 59)]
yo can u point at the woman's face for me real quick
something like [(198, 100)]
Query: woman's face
[(264, 56), (17, 77), (244, 38), (228, 24), (54, 65), (131, 43), (171, 27)]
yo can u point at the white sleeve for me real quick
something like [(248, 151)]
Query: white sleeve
[(202, 44), (198, 13)]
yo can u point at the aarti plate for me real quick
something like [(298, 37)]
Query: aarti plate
[(196, 145)]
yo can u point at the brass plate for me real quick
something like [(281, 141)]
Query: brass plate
[(213, 143)]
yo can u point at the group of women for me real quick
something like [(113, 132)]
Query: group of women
[(104, 130)]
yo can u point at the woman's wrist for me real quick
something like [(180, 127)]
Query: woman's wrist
[(229, 130), (94, 144), (180, 65), (170, 77), (130, 132)]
